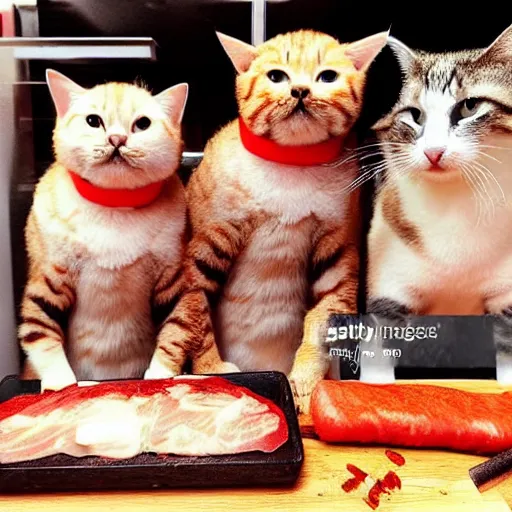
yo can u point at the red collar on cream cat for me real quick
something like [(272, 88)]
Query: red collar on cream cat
[(312, 154), (117, 197)]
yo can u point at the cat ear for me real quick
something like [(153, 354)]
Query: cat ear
[(63, 91), (501, 46), (173, 101), (405, 56), (363, 52), (240, 53)]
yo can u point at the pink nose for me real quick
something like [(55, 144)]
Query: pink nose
[(117, 140), (434, 154)]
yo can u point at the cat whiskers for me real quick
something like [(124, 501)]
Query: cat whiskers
[(476, 148), (352, 158), (100, 152), (483, 153), (476, 190), (488, 174), (383, 144), (369, 171), (476, 174), (368, 175), (355, 154), (131, 156), (493, 147), (399, 166)]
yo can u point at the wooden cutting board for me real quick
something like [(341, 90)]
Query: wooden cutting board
[(431, 479)]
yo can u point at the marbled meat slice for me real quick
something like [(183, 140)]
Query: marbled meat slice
[(189, 415)]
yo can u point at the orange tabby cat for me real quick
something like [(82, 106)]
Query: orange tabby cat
[(275, 234), (106, 236)]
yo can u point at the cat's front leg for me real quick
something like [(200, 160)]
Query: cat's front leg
[(502, 328), (187, 332), (311, 360), (47, 302), (171, 342), (502, 332), (211, 256), (185, 318), (335, 278), (206, 358), (384, 314)]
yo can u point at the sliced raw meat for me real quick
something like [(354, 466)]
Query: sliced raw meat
[(412, 415), (184, 416)]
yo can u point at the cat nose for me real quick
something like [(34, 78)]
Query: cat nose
[(117, 140), (434, 155), (300, 92)]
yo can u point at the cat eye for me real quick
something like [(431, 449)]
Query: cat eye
[(468, 107), (143, 123), (94, 120), (465, 110), (328, 76), (277, 76), (415, 114)]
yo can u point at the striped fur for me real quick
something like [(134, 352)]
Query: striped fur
[(274, 247), (102, 280)]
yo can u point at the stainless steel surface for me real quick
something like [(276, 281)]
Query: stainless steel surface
[(9, 360), (71, 48), (258, 33), (28, 18), (192, 155)]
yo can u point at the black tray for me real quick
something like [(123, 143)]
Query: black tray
[(146, 471)]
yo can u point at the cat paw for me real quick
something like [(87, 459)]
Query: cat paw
[(377, 375), (303, 384), (58, 381), (157, 370), (504, 375)]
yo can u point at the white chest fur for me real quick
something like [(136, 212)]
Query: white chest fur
[(464, 265), (261, 311), (115, 256), (114, 238), (260, 315), (288, 192), (459, 229)]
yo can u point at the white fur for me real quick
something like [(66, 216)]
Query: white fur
[(110, 333), (504, 369), (467, 259), (157, 370), (266, 331)]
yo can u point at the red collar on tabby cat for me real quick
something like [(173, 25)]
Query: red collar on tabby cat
[(117, 197), (311, 154)]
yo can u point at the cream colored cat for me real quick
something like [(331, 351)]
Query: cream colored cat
[(106, 236)]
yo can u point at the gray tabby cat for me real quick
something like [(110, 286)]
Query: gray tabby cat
[(440, 241)]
